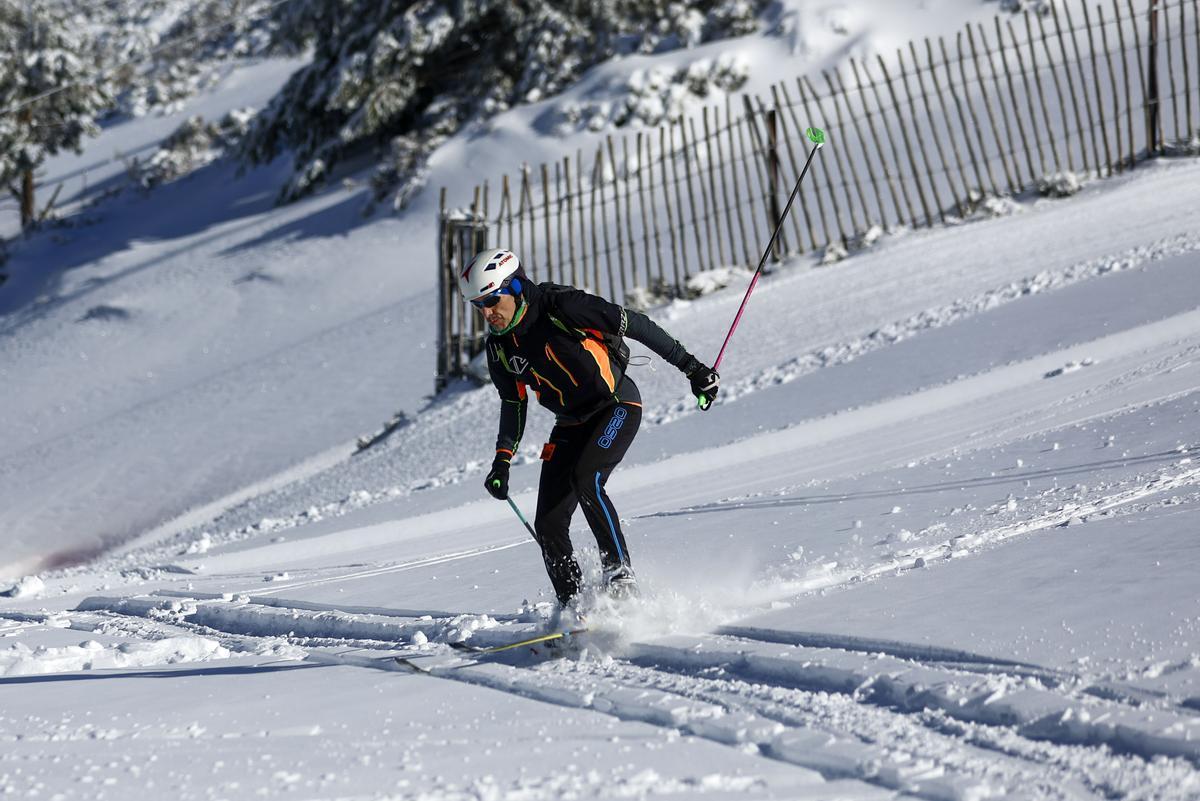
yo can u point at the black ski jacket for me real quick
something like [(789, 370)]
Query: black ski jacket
[(562, 348)]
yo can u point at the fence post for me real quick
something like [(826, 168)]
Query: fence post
[(642, 166), (658, 248), (558, 234), (840, 92), (773, 168), (888, 174), (629, 214), (1098, 120), (1196, 24), (747, 259), (937, 140), (1012, 99), (1058, 90), (608, 259), (1187, 75), (478, 234), (965, 125), (442, 376), (505, 212), (528, 257), (774, 123), (710, 215), (583, 248), (930, 173), (1062, 96), (570, 223), (1125, 77), (1112, 80), (546, 219), (666, 192), (691, 195), (1038, 132), (712, 181), (614, 293), (908, 148), (1171, 70), (757, 151), (975, 124), (1010, 172), (1153, 133)]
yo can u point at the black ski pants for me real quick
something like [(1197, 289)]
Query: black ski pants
[(577, 462)]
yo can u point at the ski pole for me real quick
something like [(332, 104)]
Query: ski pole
[(528, 527), (817, 137)]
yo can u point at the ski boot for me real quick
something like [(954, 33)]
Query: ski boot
[(621, 584)]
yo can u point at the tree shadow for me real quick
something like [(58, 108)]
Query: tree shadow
[(207, 200)]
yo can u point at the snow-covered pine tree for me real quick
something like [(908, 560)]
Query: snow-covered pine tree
[(390, 81), (163, 52), (49, 92)]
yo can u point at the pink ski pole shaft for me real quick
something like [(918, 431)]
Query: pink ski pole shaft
[(818, 137)]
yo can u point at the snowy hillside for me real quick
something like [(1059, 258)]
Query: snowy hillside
[(933, 540)]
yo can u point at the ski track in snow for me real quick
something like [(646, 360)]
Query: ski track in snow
[(927, 724), (902, 717)]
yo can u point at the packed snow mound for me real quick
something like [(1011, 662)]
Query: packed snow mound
[(27, 587), (21, 660)]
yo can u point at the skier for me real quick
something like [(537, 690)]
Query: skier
[(567, 345)]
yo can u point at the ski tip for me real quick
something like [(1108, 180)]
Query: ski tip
[(816, 136), (409, 665)]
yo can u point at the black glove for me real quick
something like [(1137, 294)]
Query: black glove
[(705, 381), (496, 482)]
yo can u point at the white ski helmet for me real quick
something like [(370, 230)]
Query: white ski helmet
[(489, 271)]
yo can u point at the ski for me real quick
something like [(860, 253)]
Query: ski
[(408, 664), (471, 653), (495, 649)]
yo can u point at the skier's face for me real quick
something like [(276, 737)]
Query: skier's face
[(500, 315)]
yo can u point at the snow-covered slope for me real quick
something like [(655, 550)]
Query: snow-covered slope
[(936, 539), (290, 331), (957, 566)]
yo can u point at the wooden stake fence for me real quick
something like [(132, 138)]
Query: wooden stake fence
[(916, 140)]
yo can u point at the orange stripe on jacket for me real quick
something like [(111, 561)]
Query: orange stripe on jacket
[(600, 354), (554, 358), (541, 378)]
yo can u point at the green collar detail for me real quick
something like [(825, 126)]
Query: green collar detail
[(516, 320)]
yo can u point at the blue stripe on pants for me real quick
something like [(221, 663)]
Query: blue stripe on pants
[(611, 528)]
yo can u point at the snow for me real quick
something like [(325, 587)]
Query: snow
[(27, 587), (935, 539), (20, 660)]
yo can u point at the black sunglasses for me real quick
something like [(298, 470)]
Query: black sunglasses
[(487, 301)]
